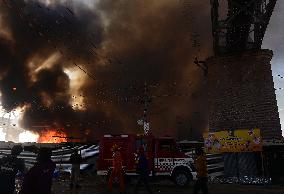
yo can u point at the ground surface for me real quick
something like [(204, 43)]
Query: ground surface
[(96, 185)]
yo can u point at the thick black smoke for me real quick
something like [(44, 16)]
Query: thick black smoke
[(118, 46)]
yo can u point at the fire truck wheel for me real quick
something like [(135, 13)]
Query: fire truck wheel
[(181, 178)]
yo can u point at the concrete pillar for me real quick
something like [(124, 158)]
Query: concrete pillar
[(241, 93)]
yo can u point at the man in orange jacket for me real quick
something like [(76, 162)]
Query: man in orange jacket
[(117, 171), (201, 168)]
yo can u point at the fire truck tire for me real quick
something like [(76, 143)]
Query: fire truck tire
[(181, 177)]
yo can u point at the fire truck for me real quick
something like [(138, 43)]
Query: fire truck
[(165, 159)]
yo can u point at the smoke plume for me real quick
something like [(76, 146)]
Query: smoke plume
[(82, 66)]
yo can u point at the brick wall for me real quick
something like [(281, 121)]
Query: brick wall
[(241, 93)]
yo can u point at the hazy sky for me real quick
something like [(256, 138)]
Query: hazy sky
[(274, 40)]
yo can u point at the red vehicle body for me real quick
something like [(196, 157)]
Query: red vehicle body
[(164, 157)]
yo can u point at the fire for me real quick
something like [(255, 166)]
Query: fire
[(2, 135), (52, 136), (46, 136), (28, 136)]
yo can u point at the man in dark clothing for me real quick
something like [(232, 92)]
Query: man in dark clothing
[(38, 180), (75, 160), (9, 167), (142, 170), (201, 167)]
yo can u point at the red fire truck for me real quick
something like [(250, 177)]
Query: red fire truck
[(164, 157)]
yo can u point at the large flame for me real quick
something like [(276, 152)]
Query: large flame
[(2, 135), (52, 136), (28, 136), (46, 136)]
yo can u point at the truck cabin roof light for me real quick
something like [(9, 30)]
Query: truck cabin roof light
[(107, 136)]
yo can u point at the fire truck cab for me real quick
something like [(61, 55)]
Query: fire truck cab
[(164, 157)]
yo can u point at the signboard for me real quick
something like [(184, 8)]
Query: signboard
[(233, 141)]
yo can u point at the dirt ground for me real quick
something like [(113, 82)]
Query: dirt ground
[(91, 184)]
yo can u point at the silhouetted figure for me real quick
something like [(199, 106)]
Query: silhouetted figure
[(38, 180), (75, 160), (117, 171), (201, 167), (142, 170), (9, 167)]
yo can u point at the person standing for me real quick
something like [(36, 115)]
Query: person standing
[(38, 179), (201, 168), (142, 170), (117, 171), (75, 160), (10, 165)]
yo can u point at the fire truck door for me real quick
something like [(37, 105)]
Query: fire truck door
[(164, 160)]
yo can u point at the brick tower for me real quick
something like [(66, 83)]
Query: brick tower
[(241, 91)]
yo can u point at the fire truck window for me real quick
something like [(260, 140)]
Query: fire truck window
[(166, 145)]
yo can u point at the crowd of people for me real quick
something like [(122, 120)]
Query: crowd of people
[(38, 179)]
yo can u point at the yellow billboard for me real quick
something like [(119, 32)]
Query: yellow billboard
[(248, 140)]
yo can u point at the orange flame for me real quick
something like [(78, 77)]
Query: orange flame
[(52, 136)]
